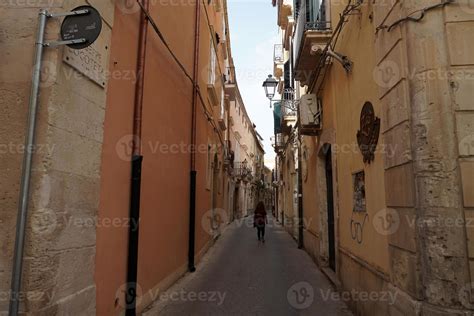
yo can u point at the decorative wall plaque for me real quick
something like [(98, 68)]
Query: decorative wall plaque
[(368, 135)]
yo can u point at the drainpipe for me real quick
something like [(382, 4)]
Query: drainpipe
[(193, 173), (300, 195), (26, 170), (136, 168), (277, 179)]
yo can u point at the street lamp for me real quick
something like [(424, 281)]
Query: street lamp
[(270, 87)]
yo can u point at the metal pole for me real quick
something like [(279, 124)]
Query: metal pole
[(26, 172), (300, 194)]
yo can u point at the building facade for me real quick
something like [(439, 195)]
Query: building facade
[(156, 104), (383, 134)]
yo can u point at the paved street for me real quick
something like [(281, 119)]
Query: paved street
[(241, 276)]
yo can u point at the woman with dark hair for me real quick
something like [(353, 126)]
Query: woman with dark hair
[(259, 221)]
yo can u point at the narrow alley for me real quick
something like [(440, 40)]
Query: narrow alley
[(242, 276), (144, 143)]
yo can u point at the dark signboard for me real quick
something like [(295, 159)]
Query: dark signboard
[(82, 26)]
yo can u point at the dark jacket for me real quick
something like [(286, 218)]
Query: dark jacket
[(260, 218)]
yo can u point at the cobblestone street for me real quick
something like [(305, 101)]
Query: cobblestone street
[(241, 276)]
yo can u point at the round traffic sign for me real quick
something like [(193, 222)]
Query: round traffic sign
[(87, 26)]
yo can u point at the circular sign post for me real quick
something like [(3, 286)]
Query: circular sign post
[(82, 26)]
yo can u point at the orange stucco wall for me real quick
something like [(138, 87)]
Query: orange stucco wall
[(164, 210)]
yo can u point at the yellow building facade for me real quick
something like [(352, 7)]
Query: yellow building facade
[(385, 156)]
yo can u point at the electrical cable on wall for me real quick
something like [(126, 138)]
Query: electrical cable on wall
[(181, 66), (410, 17)]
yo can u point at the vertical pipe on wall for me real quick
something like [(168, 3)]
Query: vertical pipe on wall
[(136, 167), (193, 171), (276, 188), (26, 170), (300, 194)]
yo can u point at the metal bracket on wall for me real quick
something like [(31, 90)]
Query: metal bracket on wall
[(66, 14), (61, 43), (412, 18), (343, 60)]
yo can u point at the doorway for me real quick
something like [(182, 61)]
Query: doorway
[(330, 208), (215, 192), (235, 208)]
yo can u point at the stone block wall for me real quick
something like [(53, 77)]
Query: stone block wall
[(59, 258), (425, 79)]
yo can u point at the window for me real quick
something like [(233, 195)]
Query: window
[(222, 104), (212, 64), (209, 166)]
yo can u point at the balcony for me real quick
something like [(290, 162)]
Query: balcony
[(288, 111), (278, 60), (278, 143), (229, 159), (285, 10), (243, 172), (313, 33)]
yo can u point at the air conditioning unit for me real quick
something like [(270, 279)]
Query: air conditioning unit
[(310, 115)]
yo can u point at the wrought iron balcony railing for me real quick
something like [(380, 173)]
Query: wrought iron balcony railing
[(242, 171), (312, 28), (278, 142), (288, 102), (309, 20)]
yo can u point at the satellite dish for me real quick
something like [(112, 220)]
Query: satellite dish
[(84, 26)]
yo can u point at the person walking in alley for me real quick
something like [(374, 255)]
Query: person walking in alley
[(260, 220)]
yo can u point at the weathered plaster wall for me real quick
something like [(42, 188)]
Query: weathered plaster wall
[(426, 120)]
